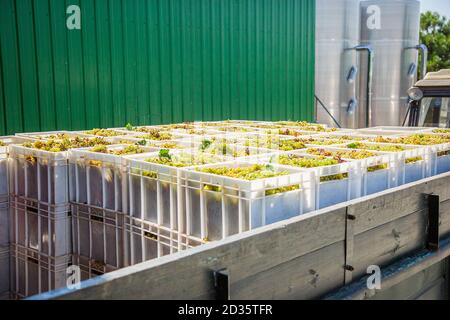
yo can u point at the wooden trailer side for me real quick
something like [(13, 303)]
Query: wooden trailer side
[(306, 257)]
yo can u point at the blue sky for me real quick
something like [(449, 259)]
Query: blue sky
[(441, 6)]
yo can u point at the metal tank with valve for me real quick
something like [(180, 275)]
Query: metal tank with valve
[(391, 28), (337, 31)]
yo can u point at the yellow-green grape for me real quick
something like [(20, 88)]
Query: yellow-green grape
[(377, 167), (103, 132), (271, 192), (65, 144), (298, 161), (385, 148), (344, 154), (131, 149), (413, 160), (150, 174), (253, 172), (334, 177), (441, 130), (416, 139), (183, 160), (154, 134), (289, 145)]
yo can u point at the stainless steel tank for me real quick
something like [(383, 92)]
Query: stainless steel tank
[(391, 27), (337, 30)]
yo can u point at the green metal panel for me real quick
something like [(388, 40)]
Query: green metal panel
[(154, 61)]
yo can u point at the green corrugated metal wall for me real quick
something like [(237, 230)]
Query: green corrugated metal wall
[(154, 61)]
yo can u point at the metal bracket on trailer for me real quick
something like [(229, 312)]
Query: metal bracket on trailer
[(222, 284), (349, 243), (432, 243)]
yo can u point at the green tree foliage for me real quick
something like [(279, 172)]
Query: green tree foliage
[(435, 34)]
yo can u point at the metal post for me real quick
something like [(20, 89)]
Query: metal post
[(433, 223), (370, 60), (222, 284), (423, 67)]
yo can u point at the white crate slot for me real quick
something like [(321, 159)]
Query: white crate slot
[(41, 227), (4, 267), (34, 273), (219, 206), (100, 178), (98, 235), (155, 189), (4, 224)]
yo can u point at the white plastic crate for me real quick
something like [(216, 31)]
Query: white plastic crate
[(331, 184), (90, 268), (4, 224), (38, 174), (100, 178), (146, 241), (98, 235), (4, 270), (34, 273), (437, 155), (411, 162), (155, 189), (4, 187), (378, 173), (4, 151), (218, 206), (40, 227), (42, 175)]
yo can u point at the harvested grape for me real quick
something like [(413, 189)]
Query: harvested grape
[(378, 147), (65, 144), (416, 139), (182, 159), (253, 172), (131, 149), (103, 132)]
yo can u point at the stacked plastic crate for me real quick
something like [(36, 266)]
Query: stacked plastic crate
[(5, 249), (104, 199), (103, 226), (40, 211), (99, 206), (152, 225), (4, 218)]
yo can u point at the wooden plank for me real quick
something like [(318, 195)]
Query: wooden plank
[(282, 260), (307, 277), (389, 242), (394, 274), (416, 286), (393, 204), (188, 275)]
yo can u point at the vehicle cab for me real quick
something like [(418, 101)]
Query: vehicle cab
[(429, 104)]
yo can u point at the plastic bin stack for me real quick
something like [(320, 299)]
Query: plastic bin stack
[(151, 191), (40, 210), (4, 215), (39, 219), (99, 205)]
